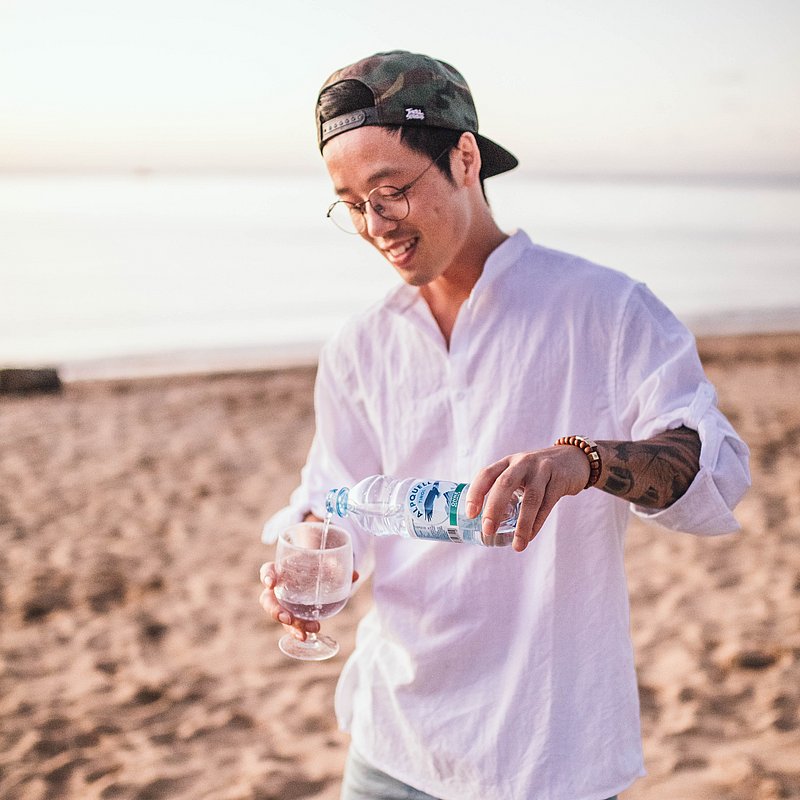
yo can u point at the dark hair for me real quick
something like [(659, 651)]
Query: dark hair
[(342, 98), (351, 95)]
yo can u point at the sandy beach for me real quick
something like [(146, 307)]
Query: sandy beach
[(137, 664)]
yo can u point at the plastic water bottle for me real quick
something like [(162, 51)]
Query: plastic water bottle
[(417, 509)]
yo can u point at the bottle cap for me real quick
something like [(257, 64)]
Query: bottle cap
[(336, 502)]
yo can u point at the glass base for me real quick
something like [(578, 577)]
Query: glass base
[(314, 648)]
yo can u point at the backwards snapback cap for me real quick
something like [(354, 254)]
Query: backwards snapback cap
[(413, 90)]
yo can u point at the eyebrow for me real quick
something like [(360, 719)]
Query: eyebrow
[(372, 180)]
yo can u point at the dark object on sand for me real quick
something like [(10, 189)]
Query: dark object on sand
[(24, 381)]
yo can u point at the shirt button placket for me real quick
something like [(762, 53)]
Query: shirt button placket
[(459, 394)]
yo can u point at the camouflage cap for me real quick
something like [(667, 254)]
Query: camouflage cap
[(413, 89)]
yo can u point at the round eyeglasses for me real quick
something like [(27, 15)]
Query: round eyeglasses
[(388, 202)]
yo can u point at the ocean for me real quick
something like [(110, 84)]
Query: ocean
[(107, 275)]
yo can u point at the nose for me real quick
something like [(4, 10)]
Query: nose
[(376, 225)]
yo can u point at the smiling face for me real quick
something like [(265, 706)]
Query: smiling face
[(432, 240)]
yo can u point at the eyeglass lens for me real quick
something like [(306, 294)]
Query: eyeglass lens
[(386, 201)]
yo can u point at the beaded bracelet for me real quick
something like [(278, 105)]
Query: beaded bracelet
[(590, 448)]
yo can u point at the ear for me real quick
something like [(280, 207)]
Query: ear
[(466, 164)]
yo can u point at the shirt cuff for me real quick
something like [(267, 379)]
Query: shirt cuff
[(701, 510), (290, 515)]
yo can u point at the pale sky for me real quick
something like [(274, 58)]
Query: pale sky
[(686, 86)]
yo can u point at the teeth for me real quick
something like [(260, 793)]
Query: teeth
[(398, 251)]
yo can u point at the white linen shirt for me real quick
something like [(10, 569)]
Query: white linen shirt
[(482, 673)]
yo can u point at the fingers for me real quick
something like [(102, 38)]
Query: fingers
[(481, 484), (544, 477), (533, 475), (498, 485), (529, 509), (296, 626), (267, 573), (534, 511)]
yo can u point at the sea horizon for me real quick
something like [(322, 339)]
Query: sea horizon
[(316, 171), (154, 272)]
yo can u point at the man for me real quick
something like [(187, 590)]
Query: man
[(494, 673)]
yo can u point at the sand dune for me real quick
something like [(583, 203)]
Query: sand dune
[(136, 663)]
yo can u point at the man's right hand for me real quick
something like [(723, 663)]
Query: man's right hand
[(299, 628)]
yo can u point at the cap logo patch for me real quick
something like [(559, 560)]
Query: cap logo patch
[(415, 113)]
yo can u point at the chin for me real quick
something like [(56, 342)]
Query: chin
[(414, 278)]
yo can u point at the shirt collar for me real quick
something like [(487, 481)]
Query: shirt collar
[(500, 259), (402, 297)]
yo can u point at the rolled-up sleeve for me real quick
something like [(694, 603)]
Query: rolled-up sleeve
[(344, 450), (660, 385)]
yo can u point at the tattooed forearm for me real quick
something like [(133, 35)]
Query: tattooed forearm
[(653, 473)]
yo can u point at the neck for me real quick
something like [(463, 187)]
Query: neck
[(445, 295)]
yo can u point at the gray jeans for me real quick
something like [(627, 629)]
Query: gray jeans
[(364, 782)]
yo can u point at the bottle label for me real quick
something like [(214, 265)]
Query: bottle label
[(435, 512)]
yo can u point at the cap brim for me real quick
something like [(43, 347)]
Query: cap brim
[(494, 159)]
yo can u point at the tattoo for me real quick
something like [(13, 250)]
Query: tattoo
[(653, 473)]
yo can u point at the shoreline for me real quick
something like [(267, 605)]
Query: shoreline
[(210, 361), (741, 323)]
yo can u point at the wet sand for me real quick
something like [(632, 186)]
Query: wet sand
[(136, 663)]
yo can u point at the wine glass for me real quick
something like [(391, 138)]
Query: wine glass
[(314, 566)]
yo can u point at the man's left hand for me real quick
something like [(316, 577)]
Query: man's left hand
[(543, 476)]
